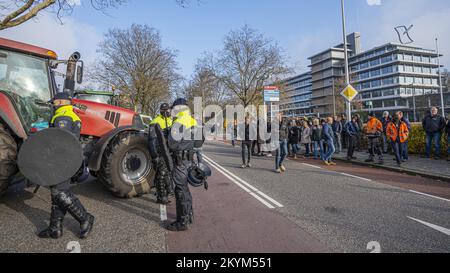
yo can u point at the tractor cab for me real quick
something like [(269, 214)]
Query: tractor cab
[(26, 79)]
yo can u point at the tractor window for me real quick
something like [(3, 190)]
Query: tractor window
[(105, 99), (26, 80)]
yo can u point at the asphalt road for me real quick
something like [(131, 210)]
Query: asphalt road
[(310, 208)]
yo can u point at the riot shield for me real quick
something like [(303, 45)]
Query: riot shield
[(50, 157)]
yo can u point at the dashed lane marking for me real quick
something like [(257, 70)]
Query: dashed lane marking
[(446, 231), (357, 177), (429, 195)]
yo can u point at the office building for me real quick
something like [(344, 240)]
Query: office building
[(395, 77)]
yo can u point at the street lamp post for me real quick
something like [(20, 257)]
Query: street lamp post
[(440, 78), (347, 73)]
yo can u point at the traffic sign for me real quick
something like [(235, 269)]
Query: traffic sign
[(349, 93), (271, 94)]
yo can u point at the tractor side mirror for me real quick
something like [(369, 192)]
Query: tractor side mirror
[(80, 71)]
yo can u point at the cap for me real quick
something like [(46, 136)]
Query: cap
[(371, 114)]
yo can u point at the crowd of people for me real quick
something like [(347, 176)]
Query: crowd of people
[(320, 139)]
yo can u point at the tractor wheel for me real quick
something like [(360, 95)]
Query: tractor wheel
[(8, 158), (126, 169)]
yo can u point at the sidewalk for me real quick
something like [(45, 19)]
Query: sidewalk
[(435, 169)]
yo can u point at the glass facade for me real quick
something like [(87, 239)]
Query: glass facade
[(296, 98)]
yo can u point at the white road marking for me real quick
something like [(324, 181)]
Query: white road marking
[(435, 227), (312, 166), (429, 195), (163, 212), (358, 177), (250, 186), (260, 196)]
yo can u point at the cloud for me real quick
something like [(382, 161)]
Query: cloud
[(374, 2), (46, 31)]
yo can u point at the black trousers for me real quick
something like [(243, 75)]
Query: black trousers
[(257, 145), (351, 145), (183, 195), (246, 145)]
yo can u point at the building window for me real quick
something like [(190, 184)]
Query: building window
[(389, 92), (375, 62), (377, 104), (375, 73), (387, 59), (418, 80), (376, 83), (376, 94), (388, 70), (389, 103), (402, 103), (364, 65)]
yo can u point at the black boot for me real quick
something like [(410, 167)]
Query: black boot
[(55, 229), (80, 214), (177, 226), (163, 200), (77, 210)]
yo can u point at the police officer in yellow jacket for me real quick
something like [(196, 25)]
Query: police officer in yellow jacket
[(163, 181), (63, 200), (181, 141)]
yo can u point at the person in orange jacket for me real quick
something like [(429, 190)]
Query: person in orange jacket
[(398, 133), (374, 133)]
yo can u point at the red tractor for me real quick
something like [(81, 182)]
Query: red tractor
[(113, 138)]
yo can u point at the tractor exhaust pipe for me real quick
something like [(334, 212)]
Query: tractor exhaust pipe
[(69, 82)]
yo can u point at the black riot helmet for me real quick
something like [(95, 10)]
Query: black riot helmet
[(198, 174), (179, 101), (165, 109)]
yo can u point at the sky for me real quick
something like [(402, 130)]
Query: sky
[(301, 27)]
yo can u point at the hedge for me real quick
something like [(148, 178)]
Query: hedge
[(417, 139)]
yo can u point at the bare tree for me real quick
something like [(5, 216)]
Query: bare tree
[(16, 12), (247, 62), (204, 84), (135, 62)]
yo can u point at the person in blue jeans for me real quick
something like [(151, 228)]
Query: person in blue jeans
[(282, 150), (316, 133), (433, 125), (328, 139), (404, 146)]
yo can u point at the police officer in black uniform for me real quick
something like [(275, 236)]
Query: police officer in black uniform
[(181, 142), (63, 200)]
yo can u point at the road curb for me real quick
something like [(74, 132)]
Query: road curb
[(395, 169)]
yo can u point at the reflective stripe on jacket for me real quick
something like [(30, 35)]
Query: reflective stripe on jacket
[(394, 132)]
